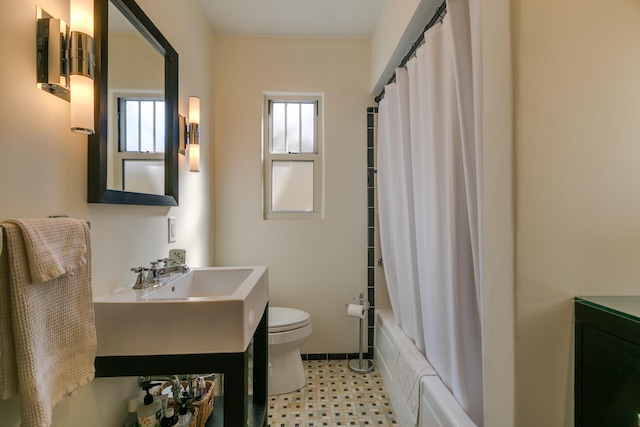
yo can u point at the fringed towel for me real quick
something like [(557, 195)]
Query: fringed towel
[(47, 329), (409, 367)]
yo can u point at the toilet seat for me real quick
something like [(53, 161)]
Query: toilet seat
[(282, 319)]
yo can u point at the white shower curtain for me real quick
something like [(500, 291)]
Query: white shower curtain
[(429, 181)]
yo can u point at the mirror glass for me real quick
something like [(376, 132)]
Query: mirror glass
[(133, 155), (135, 116)]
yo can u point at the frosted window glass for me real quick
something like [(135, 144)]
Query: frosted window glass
[(279, 120), (307, 116), (292, 186), (143, 176), (131, 126), (147, 127), (293, 128)]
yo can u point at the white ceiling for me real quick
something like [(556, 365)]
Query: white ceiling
[(305, 18)]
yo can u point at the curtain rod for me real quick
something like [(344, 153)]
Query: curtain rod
[(440, 12)]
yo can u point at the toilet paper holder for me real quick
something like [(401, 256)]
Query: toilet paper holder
[(361, 365), (358, 310), (363, 301)]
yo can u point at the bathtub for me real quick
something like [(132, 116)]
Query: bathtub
[(437, 407)]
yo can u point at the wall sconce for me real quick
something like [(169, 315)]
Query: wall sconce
[(193, 129), (65, 61), (194, 134), (190, 134)]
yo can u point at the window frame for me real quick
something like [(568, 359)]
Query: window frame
[(316, 157), (115, 156), (122, 121)]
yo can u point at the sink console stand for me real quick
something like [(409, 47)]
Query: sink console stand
[(238, 408)]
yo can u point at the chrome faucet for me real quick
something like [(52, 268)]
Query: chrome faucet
[(180, 393), (153, 276), (171, 265), (176, 387)]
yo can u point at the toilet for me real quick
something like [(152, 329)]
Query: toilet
[(289, 328)]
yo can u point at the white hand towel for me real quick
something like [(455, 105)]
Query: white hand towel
[(8, 374), (54, 246), (52, 322)]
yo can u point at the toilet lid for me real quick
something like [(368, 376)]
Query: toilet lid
[(285, 319)]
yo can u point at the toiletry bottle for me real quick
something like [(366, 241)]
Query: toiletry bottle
[(164, 401), (184, 416), (150, 411), (202, 387), (170, 418), (132, 416)]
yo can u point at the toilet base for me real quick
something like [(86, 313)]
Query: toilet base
[(286, 373)]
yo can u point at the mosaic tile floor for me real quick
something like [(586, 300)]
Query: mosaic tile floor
[(334, 396)]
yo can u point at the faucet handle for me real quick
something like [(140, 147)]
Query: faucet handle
[(153, 274), (141, 281), (156, 273)]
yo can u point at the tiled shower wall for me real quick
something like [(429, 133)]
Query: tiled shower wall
[(371, 225)]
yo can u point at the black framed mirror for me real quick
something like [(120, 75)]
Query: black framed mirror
[(100, 183)]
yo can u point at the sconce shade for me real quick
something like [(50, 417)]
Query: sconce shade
[(194, 110), (82, 120), (194, 157), (82, 67), (82, 16)]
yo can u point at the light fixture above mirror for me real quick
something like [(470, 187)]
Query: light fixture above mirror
[(65, 61)]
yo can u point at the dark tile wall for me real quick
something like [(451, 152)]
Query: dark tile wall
[(371, 111), (370, 294)]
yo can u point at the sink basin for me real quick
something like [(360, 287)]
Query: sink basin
[(202, 283), (207, 310)]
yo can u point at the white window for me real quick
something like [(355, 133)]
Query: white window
[(141, 125), (293, 172), (138, 157)]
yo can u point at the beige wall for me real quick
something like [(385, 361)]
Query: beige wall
[(43, 171), (386, 39), (578, 201), (399, 26), (315, 265), (498, 217), (131, 51)]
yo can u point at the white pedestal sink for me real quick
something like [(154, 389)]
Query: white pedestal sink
[(207, 310)]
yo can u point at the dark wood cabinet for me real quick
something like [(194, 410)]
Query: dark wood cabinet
[(607, 361)]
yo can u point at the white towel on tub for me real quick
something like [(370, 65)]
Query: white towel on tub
[(409, 367), (47, 329)]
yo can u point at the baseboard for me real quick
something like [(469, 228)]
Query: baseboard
[(336, 356)]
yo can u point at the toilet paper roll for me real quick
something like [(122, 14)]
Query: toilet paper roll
[(356, 310)]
